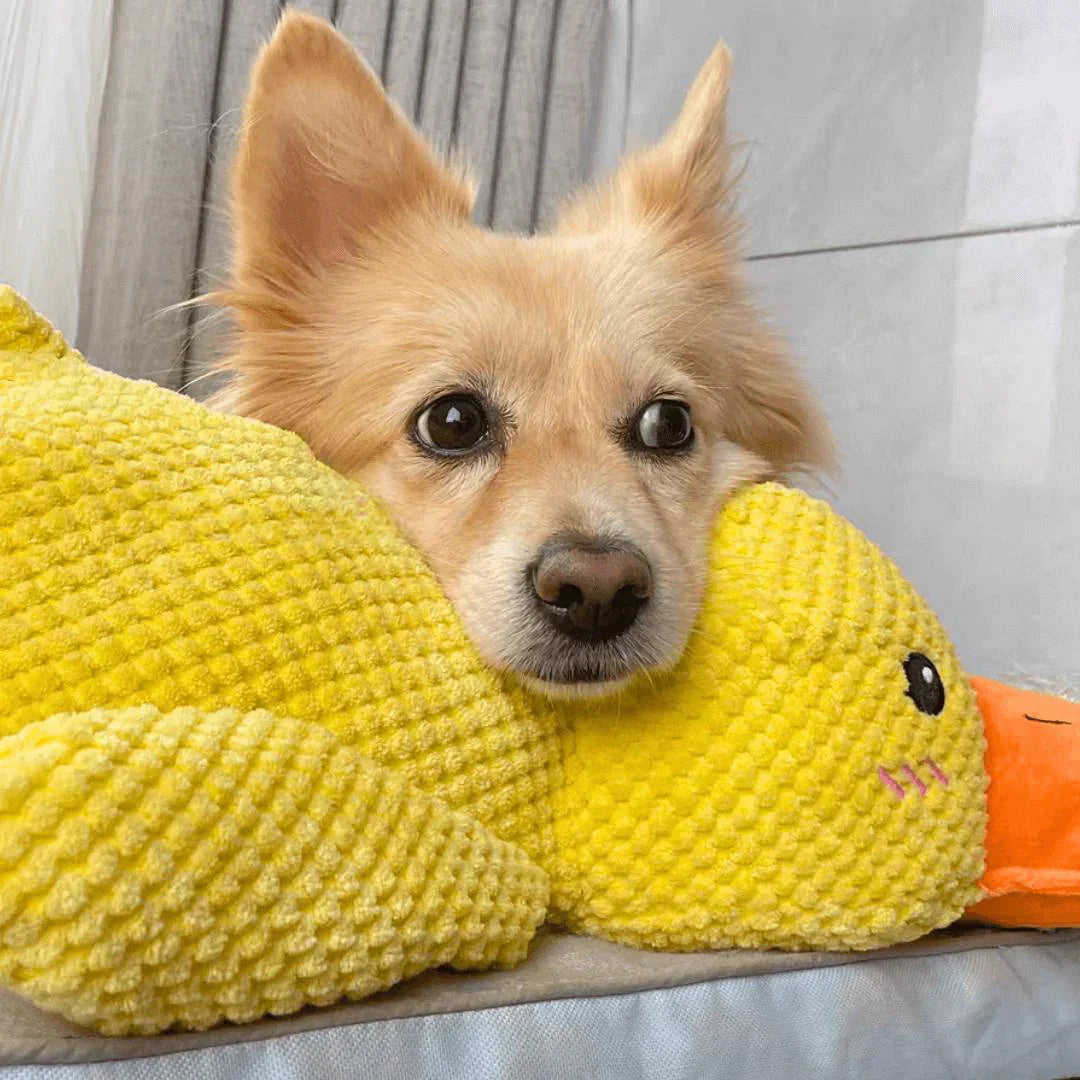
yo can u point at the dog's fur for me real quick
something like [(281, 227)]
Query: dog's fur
[(362, 291)]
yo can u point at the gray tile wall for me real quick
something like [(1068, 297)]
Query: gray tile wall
[(913, 194)]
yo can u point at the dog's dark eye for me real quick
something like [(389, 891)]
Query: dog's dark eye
[(925, 687), (454, 424), (664, 425)]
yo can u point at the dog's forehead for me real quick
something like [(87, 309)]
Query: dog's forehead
[(551, 326), (559, 317)]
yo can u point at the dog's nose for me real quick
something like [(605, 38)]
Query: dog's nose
[(591, 591)]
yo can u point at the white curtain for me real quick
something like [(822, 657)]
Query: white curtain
[(53, 60)]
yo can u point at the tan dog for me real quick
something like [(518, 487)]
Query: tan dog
[(552, 419)]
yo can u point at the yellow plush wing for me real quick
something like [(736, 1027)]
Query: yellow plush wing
[(190, 867)]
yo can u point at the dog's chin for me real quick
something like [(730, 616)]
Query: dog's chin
[(576, 690), (555, 666), (593, 673)]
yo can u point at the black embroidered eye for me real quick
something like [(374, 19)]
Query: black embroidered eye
[(925, 687), (453, 425), (664, 424)]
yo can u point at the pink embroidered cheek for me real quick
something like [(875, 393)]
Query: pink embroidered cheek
[(888, 780), (938, 774), (908, 775), (913, 776)]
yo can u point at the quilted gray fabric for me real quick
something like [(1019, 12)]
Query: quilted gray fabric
[(972, 992)]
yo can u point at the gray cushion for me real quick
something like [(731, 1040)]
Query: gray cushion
[(560, 966)]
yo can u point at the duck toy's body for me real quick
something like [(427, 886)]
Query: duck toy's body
[(251, 762)]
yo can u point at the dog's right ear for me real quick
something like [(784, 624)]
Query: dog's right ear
[(324, 158)]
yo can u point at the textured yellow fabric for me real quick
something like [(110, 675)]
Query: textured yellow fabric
[(160, 564), (191, 867), (740, 803), (154, 554)]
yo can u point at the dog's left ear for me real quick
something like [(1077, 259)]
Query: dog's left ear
[(685, 178), (681, 190), (689, 170)]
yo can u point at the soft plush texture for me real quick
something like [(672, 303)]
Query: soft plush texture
[(252, 760), (195, 866), (173, 864), (1033, 836), (781, 790)]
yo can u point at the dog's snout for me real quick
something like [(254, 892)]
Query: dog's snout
[(589, 590)]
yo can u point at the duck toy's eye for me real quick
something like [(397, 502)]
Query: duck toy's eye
[(925, 687)]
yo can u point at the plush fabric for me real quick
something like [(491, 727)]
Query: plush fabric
[(781, 789), (1033, 838), (199, 866), (163, 865), (252, 760)]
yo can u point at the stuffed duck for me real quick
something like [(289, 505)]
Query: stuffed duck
[(250, 761)]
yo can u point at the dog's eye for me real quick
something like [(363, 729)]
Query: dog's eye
[(664, 425), (925, 687), (454, 424)]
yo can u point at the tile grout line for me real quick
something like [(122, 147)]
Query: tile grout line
[(905, 240)]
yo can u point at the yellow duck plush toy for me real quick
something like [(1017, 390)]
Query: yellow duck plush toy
[(251, 762)]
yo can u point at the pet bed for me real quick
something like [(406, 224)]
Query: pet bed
[(992, 1004)]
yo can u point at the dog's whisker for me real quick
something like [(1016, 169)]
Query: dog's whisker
[(643, 670), (198, 379)]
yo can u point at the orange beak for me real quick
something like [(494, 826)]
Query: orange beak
[(1033, 836)]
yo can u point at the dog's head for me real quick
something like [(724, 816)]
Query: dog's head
[(554, 419)]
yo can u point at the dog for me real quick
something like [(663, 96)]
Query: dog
[(553, 419)]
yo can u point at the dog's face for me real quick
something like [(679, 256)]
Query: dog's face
[(552, 420)]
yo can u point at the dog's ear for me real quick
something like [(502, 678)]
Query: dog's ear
[(689, 169), (324, 158), (769, 410), (681, 189), (685, 177)]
